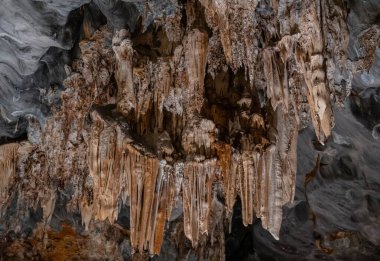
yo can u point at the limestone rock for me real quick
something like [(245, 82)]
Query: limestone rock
[(148, 124)]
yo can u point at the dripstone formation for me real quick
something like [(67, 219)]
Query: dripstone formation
[(157, 129)]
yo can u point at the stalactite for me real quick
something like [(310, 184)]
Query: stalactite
[(8, 165), (258, 179), (195, 55), (123, 173), (228, 167), (315, 76), (237, 38), (197, 197)]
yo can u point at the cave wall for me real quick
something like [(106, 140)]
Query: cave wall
[(157, 128)]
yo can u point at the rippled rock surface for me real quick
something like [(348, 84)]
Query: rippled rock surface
[(189, 130)]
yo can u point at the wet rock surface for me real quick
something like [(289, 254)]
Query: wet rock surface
[(189, 130)]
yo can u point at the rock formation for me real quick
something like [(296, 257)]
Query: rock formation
[(145, 128)]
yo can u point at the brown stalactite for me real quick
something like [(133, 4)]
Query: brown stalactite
[(8, 164)]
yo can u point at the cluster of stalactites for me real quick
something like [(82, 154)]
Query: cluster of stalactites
[(174, 84), (259, 178), (121, 173), (294, 63), (172, 89), (264, 179)]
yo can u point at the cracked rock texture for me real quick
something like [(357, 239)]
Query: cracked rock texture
[(189, 130)]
